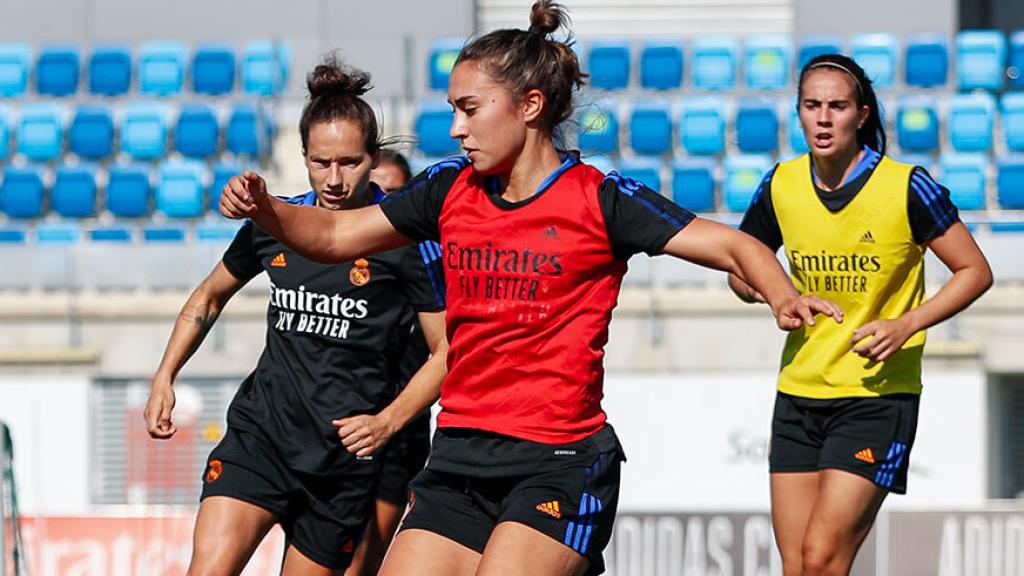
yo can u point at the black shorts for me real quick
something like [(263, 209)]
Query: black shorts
[(323, 517), (574, 504), (869, 437), (403, 459)]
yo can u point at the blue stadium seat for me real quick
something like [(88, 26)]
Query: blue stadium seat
[(608, 63), (599, 130), (1012, 108), (221, 232), (5, 132), (162, 68), (926, 61), (969, 122), (714, 61), (702, 126), (249, 130), (964, 176), (1010, 182), (650, 127), (222, 172), (815, 45), (14, 66), (74, 191), (144, 130), (12, 235), (877, 55), (58, 233), (120, 234), (433, 125), (980, 59), (163, 233), (917, 124), (693, 184), (441, 60), (110, 70), (265, 67), (661, 65), (128, 190), (41, 131), (180, 191), (91, 134), (213, 69), (797, 141), (647, 171), (743, 173), (766, 60), (757, 126), (21, 195), (197, 131), (57, 70), (1015, 64), (1005, 228)]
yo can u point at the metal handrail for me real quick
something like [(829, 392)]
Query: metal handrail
[(11, 520)]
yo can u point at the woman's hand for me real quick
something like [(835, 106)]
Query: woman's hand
[(886, 337), (794, 313), (365, 434), (242, 195)]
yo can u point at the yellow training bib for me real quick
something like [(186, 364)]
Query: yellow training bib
[(864, 259)]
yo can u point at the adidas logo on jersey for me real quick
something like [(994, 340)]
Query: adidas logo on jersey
[(865, 455), (279, 261), (550, 508), (550, 232), (867, 238)]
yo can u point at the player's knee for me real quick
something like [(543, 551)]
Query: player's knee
[(818, 557)]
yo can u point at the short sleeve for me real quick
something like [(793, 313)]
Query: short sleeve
[(760, 220), (241, 258), (416, 209), (929, 208), (423, 276), (637, 218)]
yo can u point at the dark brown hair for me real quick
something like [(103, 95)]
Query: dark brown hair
[(525, 60), (872, 133), (335, 93)]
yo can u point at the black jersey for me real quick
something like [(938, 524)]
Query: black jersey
[(334, 338)]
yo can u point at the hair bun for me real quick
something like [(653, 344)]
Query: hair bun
[(546, 17), (332, 77)]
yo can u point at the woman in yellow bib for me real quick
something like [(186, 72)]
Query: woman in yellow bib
[(854, 225)]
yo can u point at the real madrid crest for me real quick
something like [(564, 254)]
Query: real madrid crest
[(360, 273)]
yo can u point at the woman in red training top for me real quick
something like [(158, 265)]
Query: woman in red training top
[(524, 471)]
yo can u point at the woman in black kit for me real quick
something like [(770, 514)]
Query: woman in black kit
[(329, 368)]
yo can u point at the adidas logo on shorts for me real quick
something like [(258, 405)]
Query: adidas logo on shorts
[(550, 508), (865, 455)]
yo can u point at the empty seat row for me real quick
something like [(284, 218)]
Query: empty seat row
[(970, 122), (770, 61), (161, 69), (140, 130), (699, 125), (183, 189), (70, 232), (702, 184)]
